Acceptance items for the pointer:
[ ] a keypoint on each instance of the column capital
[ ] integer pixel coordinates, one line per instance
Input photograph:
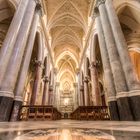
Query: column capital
(93, 65)
(86, 79)
(99, 2)
(37, 62)
(77, 70)
(57, 84)
(81, 88)
(38, 6)
(50, 88)
(96, 12)
(55, 70)
(75, 84)
(46, 79)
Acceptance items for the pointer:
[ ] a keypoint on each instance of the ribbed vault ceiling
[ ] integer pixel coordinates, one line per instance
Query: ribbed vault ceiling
(67, 22)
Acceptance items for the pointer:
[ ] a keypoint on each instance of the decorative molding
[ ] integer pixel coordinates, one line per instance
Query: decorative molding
(128, 94)
(134, 93)
(6, 94)
(111, 98)
(18, 98)
(133, 38)
(122, 94)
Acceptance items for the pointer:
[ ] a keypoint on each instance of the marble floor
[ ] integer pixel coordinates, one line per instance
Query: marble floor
(70, 130)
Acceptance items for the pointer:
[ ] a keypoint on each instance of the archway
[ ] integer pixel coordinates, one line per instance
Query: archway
(6, 14)
(96, 70)
(35, 72)
(130, 23)
(135, 57)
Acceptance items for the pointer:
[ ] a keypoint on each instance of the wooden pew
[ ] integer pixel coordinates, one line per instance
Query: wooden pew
(91, 113)
(37, 112)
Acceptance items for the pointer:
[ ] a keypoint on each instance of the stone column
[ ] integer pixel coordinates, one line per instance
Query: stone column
(51, 88)
(116, 67)
(109, 81)
(38, 71)
(10, 39)
(82, 98)
(45, 91)
(95, 85)
(8, 84)
(78, 92)
(86, 81)
(118, 73)
(18, 99)
(55, 88)
(50, 95)
(81, 89)
(132, 82)
(86, 91)
(37, 81)
(75, 95)
(46, 83)
(28, 99)
(57, 95)
(121, 45)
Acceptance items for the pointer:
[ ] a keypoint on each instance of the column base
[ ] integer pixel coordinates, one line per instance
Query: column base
(114, 112)
(135, 105)
(16, 111)
(5, 108)
(124, 109)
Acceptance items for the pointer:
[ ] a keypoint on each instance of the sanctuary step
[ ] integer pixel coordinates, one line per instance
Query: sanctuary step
(91, 113)
(38, 112)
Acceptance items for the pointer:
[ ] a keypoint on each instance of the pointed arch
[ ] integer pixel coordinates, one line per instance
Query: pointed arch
(66, 53)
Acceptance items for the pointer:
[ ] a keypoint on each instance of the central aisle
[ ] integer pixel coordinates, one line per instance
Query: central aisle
(70, 130)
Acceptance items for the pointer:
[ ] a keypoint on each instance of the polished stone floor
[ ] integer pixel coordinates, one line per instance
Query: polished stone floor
(70, 130)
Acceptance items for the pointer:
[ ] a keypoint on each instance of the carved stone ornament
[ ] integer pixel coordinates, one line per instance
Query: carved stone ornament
(81, 88)
(50, 88)
(93, 65)
(37, 62)
(38, 6)
(46, 79)
(86, 79)
(99, 2)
